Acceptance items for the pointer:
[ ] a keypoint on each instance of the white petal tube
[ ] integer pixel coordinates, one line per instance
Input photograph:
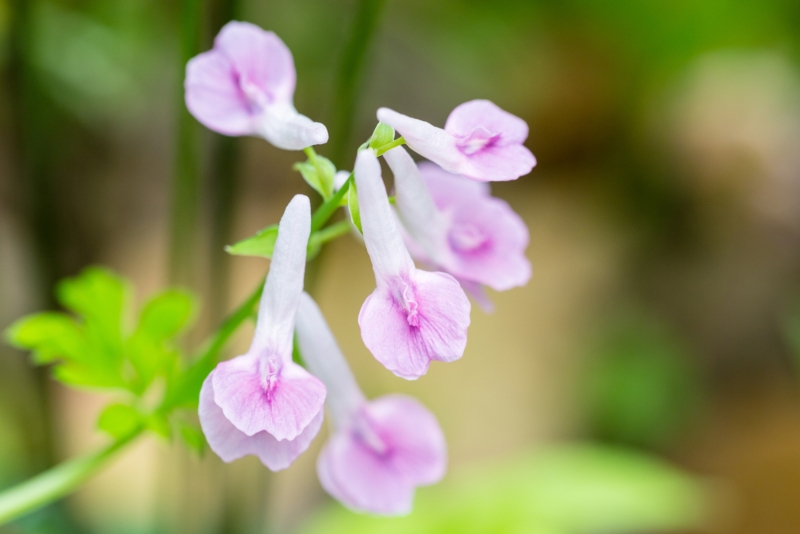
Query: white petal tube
(275, 327)
(325, 360)
(382, 237)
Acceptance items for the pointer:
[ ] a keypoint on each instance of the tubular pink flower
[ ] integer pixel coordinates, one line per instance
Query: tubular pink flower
(380, 450)
(262, 403)
(459, 226)
(413, 316)
(479, 141)
(245, 86)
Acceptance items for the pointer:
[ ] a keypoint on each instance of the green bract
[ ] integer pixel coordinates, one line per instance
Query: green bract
(383, 135)
(318, 172)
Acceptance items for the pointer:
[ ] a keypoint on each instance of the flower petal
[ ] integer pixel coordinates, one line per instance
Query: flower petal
(498, 164)
(500, 261)
(381, 234)
(325, 360)
(383, 483)
(275, 327)
(261, 57)
(425, 139)
(415, 205)
(441, 334)
(478, 293)
(230, 444)
(284, 127)
(469, 116)
(213, 95)
(447, 188)
(413, 434)
(284, 409)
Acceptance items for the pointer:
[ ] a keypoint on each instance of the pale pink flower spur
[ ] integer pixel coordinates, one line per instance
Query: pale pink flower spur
(262, 403)
(479, 141)
(413, 316)
(245, 86)
(379, 450)
(459, 227)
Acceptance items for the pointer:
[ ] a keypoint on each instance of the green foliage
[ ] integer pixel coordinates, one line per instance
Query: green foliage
(120, 420)
(193, 437)
(262, 244)
(383, 135)
(568, 490)
(91, 346)
(318, 172)
(640, 386)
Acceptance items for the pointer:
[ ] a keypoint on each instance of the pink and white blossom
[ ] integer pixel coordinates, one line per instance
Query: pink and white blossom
(245, 86)
(458, 227)
(262, 403)
(379, 450)
(413, 317)
(479, 141)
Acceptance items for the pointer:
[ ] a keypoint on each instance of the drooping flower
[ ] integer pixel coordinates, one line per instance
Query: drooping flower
(479, 141)
(245, 86)
(459, 227)
(413, 316)
(262, 403)
(380, 450)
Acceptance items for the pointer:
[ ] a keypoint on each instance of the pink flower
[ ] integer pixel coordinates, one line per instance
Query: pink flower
(262, 403)
(459, 227)
(245, 86)
(413, 316)
(479, 141)
(380, 450)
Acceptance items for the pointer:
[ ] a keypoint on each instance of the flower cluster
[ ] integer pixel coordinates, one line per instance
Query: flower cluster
(263, 403)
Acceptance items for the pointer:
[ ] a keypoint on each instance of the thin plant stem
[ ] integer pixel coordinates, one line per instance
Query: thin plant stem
(186, 185)
(349, 77)
(57, 482)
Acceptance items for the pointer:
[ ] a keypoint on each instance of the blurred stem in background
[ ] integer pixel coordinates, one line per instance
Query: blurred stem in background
(186, 185)
(349, 79)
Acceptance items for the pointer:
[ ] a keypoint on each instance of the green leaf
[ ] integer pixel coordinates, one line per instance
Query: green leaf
(98, 296)
(85, 375)
(193, 437)
(352, 202)
(262, 244)
(383, 135)
(318, 172)
(166, 314)
(159, 423)
(51, 336)
(119, 420)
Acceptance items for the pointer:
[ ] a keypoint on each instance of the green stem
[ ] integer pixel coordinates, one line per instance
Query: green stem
(348, 82)
(189, 388)
(380, 151)
(57, 482)
(331, 232)
(330, 206)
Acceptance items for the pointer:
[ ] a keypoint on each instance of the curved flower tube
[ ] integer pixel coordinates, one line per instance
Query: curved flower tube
(413, 316)
(245, 86)
(380, 450)
(479, 141)
(262, 403)
(459, 227)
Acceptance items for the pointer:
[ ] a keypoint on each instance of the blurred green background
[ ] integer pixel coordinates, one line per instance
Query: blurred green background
(645, 380)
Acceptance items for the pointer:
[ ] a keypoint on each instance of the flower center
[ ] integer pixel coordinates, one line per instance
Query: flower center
(467, 237)
(364, 430)
(269, 369)
(256, 98)
(410, 306)
(477, 140)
